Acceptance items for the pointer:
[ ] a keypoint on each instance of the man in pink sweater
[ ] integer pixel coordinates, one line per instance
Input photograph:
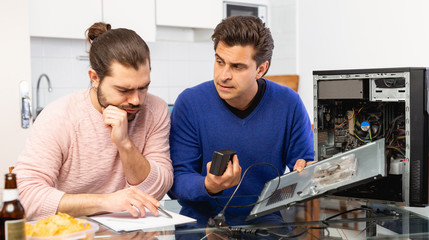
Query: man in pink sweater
(104, 149)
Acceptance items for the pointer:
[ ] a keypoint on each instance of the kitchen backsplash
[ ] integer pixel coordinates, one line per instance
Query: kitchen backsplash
(175, 65)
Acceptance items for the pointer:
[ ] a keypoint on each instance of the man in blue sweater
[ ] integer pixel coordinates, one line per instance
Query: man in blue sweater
(239, 110)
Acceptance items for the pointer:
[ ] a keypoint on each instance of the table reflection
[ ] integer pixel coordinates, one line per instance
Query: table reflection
(321, 218)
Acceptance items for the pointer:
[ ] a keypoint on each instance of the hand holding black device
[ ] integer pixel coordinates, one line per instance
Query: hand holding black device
(220, 161)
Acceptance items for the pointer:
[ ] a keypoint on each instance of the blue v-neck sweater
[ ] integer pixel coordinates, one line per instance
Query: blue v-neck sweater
(278, 131)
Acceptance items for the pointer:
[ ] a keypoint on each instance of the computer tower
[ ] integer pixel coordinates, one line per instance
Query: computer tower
(355, 107)
(371, 141)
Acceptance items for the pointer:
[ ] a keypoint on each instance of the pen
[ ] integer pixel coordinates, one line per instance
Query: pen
(164, 212)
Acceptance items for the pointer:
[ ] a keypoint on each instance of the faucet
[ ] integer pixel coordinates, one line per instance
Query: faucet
(38, 108)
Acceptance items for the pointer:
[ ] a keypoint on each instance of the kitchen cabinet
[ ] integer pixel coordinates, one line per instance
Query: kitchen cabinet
(189, 13)
(70, 19)
(63, 18)
(137, 15)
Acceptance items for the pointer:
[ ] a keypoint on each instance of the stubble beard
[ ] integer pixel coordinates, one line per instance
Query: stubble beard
(103, 103)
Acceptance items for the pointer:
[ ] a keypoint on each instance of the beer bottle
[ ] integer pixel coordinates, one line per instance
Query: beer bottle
(12, 215)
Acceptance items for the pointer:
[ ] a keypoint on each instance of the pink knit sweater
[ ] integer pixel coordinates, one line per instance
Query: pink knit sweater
(69, 150)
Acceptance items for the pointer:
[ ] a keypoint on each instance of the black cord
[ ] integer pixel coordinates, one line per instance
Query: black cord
(324, 222)
(241, 180)
(393, 125)
(345, 212)
(219, 219)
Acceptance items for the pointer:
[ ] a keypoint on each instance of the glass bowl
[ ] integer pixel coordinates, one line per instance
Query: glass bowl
(87, 234)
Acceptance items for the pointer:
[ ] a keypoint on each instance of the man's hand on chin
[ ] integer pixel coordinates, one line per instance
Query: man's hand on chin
(116, 120)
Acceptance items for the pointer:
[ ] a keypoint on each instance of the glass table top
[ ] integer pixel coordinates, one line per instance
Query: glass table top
(321, 218)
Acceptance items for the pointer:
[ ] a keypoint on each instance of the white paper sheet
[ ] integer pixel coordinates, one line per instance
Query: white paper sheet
(124, 221)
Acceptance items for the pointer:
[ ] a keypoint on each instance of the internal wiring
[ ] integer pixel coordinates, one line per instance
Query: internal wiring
(393, 125)
(347, 120)
(353, 117)
(397, 149)
(393, 137)
(354, 130)
(364, 140)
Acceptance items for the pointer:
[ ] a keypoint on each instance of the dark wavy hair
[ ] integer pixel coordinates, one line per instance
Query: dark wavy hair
(244, 31)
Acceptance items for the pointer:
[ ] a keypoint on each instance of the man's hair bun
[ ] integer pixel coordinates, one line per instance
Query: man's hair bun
(96, 30)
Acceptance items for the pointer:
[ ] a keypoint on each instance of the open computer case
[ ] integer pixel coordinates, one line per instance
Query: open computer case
(371, 140)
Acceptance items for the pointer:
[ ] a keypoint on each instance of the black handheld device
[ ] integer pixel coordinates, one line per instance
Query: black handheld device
(220, 161)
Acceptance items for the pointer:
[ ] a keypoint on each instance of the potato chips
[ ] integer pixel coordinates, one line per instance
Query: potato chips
(58, 224)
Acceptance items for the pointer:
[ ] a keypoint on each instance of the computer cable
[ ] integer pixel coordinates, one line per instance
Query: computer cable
(325, 224)
(219, 219)
(238, 232)
(249, 205)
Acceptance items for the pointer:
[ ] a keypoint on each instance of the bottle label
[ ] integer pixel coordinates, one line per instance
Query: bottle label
(14, 229)
(10, 195)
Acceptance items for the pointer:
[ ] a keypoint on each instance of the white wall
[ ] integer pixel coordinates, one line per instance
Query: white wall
(14, 68)
(338, 34)
(283, 16)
